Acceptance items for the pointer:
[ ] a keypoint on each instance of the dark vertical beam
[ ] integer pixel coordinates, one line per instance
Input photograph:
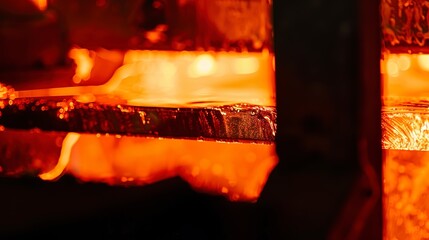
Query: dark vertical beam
(370, 108)
(327, 80)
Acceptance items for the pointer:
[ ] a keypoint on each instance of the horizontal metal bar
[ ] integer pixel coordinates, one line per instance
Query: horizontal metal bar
(230, 123)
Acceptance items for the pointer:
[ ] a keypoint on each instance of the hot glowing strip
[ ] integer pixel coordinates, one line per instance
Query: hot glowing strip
(68, 143)
(160, 78)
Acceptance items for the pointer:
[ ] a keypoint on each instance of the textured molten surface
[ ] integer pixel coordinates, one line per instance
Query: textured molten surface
(208, 117)
(405, 140)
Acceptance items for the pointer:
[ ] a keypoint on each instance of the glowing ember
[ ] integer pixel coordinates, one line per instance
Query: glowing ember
(84, 62)
(40, 4)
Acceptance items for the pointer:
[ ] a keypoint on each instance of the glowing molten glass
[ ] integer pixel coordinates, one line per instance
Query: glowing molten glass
(236, 170)
(166, 78)
(64, 159)
(405, 142)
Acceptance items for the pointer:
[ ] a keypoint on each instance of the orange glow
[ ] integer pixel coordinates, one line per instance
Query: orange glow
(405, 75)
(165, 78)
(84, 62)
(203, 65)
(404, 62)
(86, 98)
(392, 68)
(405, 145)
(40, 4)
(68, 142)
(158, 34)
(237, 171)
(423, 60)
(406, 194)
(246, 65)
(406, 167)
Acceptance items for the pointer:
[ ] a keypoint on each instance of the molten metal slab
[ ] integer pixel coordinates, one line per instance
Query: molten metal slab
(240, 122)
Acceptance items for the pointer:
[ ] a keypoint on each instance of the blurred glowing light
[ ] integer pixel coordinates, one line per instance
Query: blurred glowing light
(423, 61)
(228, 172)
(40, 4)
(392, 68)
(68, 143)
(158, 34)
(167, 72)
(84, 64)
(168, 69)
(149, 77)
(203, 65)
(86, 98)
(246, 65)
(404, 62)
